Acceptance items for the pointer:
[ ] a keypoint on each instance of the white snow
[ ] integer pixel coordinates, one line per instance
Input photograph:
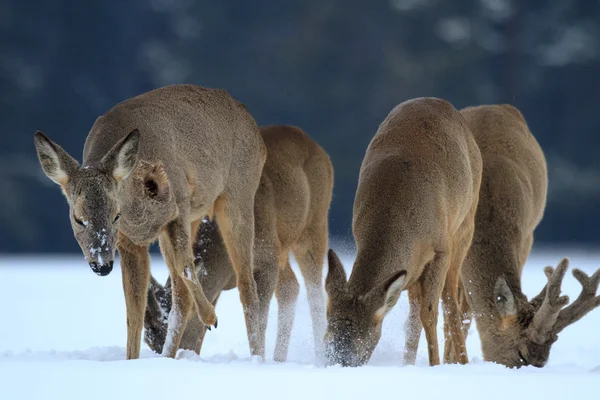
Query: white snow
(56, 345)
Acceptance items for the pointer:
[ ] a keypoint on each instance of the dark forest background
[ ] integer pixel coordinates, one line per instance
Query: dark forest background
(333, 67)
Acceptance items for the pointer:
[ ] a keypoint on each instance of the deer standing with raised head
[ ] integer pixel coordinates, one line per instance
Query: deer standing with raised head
(413, 222)
(291, 208)
(513, 330)
(153, 167)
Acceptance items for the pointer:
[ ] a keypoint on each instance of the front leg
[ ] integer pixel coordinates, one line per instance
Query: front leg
(135, 266)
(176, 246)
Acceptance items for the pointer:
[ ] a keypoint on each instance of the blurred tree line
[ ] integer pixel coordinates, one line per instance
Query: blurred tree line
(333, 67)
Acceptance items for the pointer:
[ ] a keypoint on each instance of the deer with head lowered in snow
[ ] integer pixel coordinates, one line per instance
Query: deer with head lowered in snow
(153, 167)
(290, 208)
(413, 222)
(514, 331)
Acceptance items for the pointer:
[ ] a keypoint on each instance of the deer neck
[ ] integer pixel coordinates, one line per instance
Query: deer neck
(376, 262)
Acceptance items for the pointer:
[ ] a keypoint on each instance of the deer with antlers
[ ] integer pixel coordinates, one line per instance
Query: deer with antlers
(153, 167)
(291, 208)
(514, 331)
(413, 221)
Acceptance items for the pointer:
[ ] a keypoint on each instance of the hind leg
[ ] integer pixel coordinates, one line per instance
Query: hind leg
(265, 276)
(413, 325)
(236, 222)
(310, 253)
(467, 317)
(453, 326)
(287, 295)
(432, 282)
(453, 316)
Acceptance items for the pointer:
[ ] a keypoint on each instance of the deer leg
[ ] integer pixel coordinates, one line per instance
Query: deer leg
(453, 315)
(175, 244)
(453, 326)
(465, 310)
(265, 276)
(432, 282)
(236, 222)
(310, 253)
(287, 295)
(135, 267)
(467, 318)
(413, 325)
(202, 330)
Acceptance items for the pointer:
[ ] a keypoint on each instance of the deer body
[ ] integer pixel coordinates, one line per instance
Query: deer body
(162, 161)
(413, 222)
(291, 208)
(513, 330)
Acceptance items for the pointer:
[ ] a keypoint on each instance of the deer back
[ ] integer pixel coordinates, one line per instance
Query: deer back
(418, 181)
(190, 138)
(513, 192)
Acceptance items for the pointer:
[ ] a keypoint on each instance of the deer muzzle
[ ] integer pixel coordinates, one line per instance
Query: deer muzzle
(102, 269)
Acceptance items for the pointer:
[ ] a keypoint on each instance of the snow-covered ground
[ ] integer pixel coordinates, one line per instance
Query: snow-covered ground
(62, 336)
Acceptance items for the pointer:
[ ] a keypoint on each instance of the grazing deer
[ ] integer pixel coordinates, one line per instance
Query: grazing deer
(413, 222)
(514, 331)
(153, 167)
(290, 209)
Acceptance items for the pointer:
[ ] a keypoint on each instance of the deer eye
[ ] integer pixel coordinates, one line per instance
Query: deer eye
(523, 359)
(117, 217)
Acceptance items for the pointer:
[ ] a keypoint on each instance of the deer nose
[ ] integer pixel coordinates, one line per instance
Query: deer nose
(101, 270)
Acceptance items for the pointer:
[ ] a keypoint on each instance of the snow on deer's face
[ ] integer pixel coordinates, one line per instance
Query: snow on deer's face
(94, 217)
(354, 321)
(91, 192)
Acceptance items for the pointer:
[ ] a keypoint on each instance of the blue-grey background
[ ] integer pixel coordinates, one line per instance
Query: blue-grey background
(333, 67)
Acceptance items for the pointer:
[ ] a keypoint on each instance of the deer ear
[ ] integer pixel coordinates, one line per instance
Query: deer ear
(57, 164)
(120, 160)
(156, 182)
(385, 297)
(335, 282)
(505, 303)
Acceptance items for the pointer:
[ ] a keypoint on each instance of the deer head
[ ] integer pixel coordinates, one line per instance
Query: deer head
(522, 333)
(354, 322)
(92, 194)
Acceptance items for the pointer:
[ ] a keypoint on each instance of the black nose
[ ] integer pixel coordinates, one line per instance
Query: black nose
(101, 270)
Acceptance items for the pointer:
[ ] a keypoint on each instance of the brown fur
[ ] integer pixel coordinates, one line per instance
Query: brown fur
(291, 207)
(162, 161)
(413, 223)
(511, 205)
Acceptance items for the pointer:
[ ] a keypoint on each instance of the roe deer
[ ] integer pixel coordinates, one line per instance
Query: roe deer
(290, 208)
(514, 331)
(162, 161)
(413, 222)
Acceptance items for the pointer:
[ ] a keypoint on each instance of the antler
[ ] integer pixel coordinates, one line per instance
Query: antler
(547, 315)
(585, 303)
(537, 301)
